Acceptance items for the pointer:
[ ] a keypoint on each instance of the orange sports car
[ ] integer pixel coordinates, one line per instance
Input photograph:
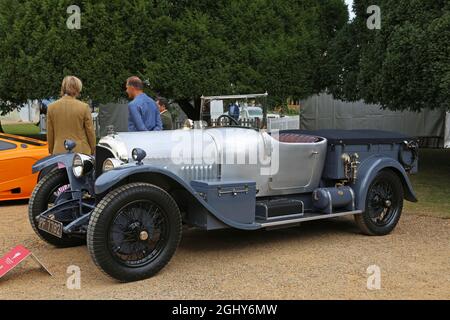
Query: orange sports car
(17, 155)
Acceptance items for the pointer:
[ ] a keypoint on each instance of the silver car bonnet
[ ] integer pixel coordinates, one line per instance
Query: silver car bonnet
(229, 154)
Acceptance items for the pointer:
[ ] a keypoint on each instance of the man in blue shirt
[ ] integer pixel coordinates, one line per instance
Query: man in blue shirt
(234, 110)
(143, 114)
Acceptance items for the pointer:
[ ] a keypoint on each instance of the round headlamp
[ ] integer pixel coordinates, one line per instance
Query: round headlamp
(110, 164)
(69, 145)
(138, 154)
(82, 165)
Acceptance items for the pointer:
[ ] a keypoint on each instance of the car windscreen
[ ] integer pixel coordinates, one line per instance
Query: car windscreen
(6, 146)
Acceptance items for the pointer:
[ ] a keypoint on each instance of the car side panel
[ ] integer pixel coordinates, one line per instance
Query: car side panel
(17, 180)
(16, 175)
(110, 179)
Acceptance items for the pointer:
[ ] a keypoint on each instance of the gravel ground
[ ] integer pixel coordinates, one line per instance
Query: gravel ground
(318, 260)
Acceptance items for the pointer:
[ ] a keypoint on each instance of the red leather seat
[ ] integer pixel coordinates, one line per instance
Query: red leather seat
(296, 138)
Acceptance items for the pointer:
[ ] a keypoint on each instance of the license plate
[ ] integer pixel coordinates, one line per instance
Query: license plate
(51, 226)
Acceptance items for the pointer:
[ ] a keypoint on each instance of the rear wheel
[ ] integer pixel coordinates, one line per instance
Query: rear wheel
(384, 204)
(134, 231)
(43, 197)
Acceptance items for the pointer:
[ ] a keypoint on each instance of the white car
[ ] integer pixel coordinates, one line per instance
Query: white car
(273, 116)
(251, 113)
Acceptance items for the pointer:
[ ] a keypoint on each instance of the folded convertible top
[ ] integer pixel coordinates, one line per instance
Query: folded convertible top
(335, 136)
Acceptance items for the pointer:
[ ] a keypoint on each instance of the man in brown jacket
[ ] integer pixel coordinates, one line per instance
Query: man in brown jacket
(69, 118)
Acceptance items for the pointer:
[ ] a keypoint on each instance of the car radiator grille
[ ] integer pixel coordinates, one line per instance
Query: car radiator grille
(199, 172)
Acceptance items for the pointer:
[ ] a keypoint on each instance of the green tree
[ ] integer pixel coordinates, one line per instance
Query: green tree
(247, 46)
(185, 48)
(404, 65)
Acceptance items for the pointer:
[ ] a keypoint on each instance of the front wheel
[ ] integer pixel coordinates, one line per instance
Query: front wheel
(134, 231)
(384, 203)
(44, 196)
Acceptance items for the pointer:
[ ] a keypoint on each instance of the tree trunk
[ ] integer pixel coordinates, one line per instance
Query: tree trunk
(192, 111)
(1, 128)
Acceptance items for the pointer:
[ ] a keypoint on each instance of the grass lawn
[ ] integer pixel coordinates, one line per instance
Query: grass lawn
(23, 129)
(432, 184)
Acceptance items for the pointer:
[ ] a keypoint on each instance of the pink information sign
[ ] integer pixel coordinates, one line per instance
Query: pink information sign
(14, 257)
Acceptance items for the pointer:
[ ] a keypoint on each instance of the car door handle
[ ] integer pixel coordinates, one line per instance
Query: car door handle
(234, 192)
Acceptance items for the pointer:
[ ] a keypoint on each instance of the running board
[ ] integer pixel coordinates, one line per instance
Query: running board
(307, 217)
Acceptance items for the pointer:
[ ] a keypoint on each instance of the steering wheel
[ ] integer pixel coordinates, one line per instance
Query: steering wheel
(219, 119)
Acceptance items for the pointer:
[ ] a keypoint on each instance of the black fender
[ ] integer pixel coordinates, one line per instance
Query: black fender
(110, 179)
(64, 160)
(368, 170)
(51, 161)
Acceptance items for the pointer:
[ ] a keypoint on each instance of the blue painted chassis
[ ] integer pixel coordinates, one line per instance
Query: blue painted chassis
(70, 200)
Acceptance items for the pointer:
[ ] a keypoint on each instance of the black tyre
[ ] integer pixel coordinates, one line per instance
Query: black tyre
(134, 231)
(42, 198)
(384, 204)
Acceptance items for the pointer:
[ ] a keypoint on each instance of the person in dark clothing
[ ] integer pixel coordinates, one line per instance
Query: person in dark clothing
(234, 111)
(166, 117)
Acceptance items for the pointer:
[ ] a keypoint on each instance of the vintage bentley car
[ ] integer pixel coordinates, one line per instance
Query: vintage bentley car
(130, 202)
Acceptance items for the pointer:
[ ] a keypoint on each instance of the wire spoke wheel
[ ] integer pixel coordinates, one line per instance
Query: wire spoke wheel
(384, 204)
(134, 231)
(138, 233)
(56, 193)
(50, 191)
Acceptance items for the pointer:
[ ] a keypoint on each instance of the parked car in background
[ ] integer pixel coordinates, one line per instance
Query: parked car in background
(273, 116)
(17, 156)
(251, 113)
